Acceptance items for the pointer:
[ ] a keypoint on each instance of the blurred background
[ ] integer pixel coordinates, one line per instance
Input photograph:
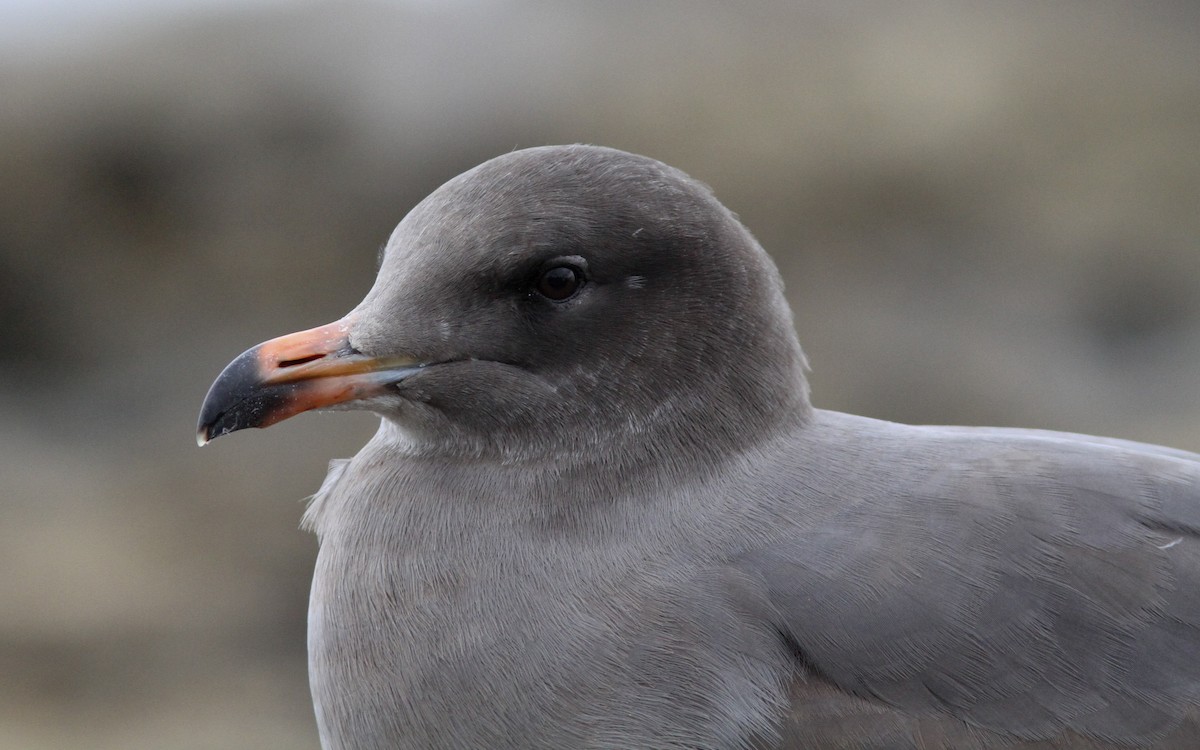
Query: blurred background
(985, 213)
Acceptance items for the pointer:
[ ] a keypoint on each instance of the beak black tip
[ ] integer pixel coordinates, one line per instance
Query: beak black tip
(236, 400)
(212, 428)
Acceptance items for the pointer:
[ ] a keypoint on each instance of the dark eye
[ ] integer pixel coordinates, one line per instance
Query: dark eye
(559, 283)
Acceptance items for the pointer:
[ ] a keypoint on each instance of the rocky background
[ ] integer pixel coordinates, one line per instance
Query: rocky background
(985, 213)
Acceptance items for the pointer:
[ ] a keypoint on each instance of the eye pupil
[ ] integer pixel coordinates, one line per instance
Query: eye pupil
(559, 283)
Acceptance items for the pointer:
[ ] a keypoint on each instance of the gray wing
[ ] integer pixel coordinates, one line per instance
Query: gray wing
(1005, 590)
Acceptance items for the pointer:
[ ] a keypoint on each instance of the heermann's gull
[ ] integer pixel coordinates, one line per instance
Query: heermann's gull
(600, 512)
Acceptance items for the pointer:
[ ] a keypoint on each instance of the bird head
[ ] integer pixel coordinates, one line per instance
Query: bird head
(555, 299)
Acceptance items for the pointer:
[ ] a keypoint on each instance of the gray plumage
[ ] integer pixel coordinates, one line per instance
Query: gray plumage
(615, 521)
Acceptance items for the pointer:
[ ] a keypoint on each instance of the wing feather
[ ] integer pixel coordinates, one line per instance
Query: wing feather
(1031, 591)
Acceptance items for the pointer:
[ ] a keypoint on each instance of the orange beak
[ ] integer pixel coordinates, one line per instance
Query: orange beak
(283, 377)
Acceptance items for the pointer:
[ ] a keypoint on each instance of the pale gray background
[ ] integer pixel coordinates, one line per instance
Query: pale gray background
(985, 212)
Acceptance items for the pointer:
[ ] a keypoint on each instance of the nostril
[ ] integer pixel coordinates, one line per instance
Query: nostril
(300, 360)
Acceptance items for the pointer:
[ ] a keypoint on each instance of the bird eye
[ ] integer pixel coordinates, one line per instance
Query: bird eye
(559, 283)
